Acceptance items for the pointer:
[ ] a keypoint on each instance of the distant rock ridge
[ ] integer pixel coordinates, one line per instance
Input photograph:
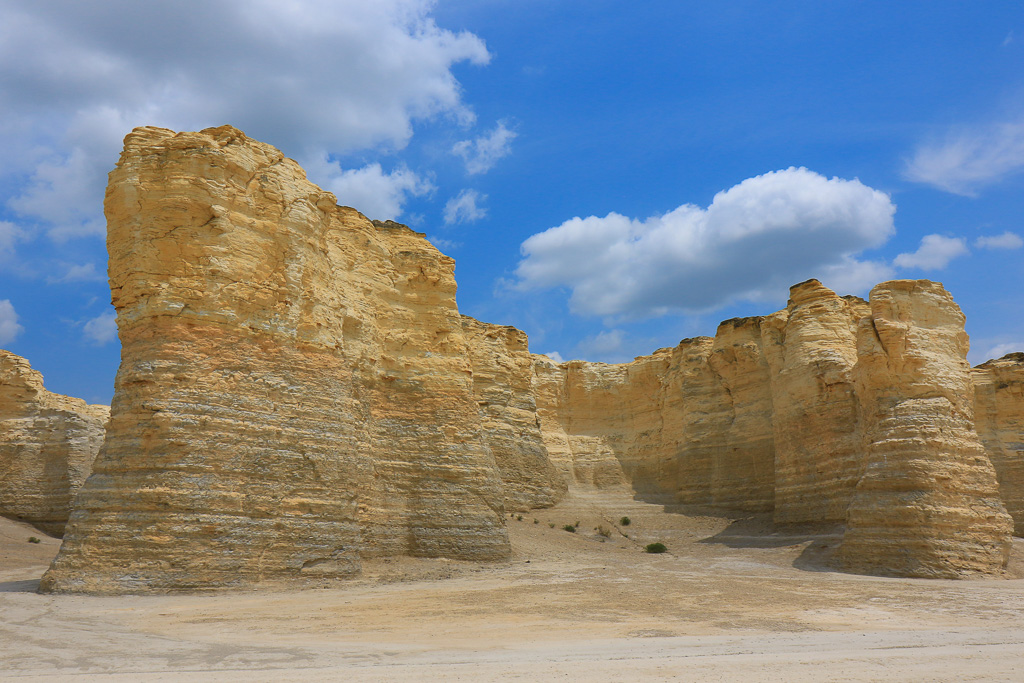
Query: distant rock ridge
(47, 446)
(298, 391)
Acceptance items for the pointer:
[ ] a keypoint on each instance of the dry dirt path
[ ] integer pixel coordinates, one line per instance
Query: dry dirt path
(567, 607)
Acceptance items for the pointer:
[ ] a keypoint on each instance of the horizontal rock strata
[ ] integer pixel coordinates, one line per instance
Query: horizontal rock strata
(999, 420)
(294, 392)
(47, 446)
(503, 387)
(927, 503)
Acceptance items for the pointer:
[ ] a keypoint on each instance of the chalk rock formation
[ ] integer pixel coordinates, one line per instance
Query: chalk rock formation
(691, 424)
(811, 349)
(294, 391)
(999, 420)
(927, 504)
(47, 446)
(503, 386)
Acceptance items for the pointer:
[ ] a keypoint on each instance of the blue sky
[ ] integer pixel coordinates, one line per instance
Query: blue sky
(610, 177)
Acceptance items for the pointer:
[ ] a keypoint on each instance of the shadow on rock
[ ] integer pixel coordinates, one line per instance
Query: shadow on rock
(28, 586)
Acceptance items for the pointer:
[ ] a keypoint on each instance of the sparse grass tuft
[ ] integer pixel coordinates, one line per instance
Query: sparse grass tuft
(519, 518)
(625, 521)
(536, 521)
(655, 548)
(551, 524)
(601, 531)
(570, 528)
(34, 539)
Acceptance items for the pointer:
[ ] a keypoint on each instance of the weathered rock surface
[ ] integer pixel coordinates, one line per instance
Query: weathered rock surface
(294, 392)
(503, 386)
(927, 504)
(999, 420)
(47, 446)
(811, 349)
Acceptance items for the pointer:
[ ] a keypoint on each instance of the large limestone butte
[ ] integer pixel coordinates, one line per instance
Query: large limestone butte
(927, 504)
(503, 386)
(999, 419)
(47, 446)
(294, 393)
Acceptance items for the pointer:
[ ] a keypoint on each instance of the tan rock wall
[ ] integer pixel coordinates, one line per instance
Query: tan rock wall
(47, 446)
(503, 386)
(927, 504)
(811, 350)
(999, 420)
(294, 391)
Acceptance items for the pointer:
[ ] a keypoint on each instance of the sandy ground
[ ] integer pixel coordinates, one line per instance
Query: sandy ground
(731, 600)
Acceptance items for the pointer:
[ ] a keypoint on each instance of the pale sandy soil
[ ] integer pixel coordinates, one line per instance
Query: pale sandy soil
(747, 605)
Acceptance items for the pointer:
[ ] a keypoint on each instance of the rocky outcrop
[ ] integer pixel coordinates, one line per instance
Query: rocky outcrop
(503, 387)
(811, 350)
(999, 420)
(927, 503)
(294, 393)
(47, 446)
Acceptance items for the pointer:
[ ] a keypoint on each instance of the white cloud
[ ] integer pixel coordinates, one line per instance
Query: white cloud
(443, 244)
(555, 356)
(463, 208)
(752, 242)
(969, 158)
(309, 76)
(1007, 240)
(102, 329)
(9, 327)
(10, 235)
(78, 272)
(369, 189)
(481, 154)
(1000, 350)
(934, 253)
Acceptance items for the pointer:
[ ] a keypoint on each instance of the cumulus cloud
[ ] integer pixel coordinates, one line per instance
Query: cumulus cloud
(307, 75)
(753, 241)
(78, 272)
(102, 329)
(9, 327)
(1007, 240)
(969, 158)
(934, 253)
(481, 154)
(464, 208)
(369, 189)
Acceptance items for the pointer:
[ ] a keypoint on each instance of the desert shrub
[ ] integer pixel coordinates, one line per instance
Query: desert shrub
(551, 524)
(570, 528)
(601, 531)
(625, 521)
(33, 539)
(536, 521)
(655, 548)
(519, 518)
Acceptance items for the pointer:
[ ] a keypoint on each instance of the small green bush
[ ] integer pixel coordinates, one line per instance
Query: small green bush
(625, 521)
(551, 524)
(570, 528)
(33, 539)
(536, 521)
(519, 518)
(655, 548)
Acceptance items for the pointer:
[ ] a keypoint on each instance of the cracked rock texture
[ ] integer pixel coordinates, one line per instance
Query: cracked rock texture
(47, 446)
(503, 386)
(999, 419)
(294, 391)
(927, 503)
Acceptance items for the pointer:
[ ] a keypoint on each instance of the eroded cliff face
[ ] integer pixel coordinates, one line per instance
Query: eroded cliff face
(811, 350)
(999, 420)
(503, 386)
(927, 503)
(47, 446)
(295, 390)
